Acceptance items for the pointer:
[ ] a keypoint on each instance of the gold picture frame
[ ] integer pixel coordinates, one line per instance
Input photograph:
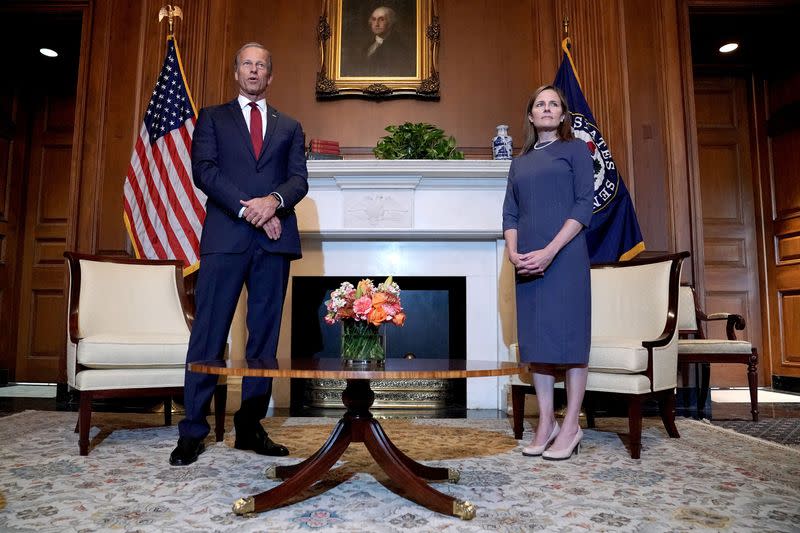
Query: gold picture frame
(378, 49)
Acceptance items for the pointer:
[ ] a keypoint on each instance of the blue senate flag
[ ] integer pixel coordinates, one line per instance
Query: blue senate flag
(614, 233)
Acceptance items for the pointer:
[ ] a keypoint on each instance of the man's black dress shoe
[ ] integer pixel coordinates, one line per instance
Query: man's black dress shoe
(186, 452)
(256, 439)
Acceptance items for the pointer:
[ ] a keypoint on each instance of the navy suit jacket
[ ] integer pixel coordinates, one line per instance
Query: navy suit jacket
(226, 169)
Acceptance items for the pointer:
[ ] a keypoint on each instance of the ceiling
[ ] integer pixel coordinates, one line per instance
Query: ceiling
(21, 37)
(764, 36)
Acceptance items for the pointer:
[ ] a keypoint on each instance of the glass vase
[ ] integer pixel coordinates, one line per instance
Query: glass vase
(361, 342)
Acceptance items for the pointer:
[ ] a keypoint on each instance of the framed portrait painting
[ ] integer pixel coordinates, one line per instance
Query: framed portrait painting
(378, 49)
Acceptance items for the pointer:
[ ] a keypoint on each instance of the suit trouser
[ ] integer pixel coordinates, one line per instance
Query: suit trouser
(219, 284)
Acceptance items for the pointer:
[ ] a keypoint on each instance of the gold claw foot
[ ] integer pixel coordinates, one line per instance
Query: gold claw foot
(271, 472)
(463, 509)
(248, 505)
(453, 475)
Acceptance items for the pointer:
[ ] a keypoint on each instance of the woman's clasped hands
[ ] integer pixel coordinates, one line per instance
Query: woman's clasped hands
(532, 263)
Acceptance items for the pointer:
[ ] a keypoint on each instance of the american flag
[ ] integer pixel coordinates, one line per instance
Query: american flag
(163, 210)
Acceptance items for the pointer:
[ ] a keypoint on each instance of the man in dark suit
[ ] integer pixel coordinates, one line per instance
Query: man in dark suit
(248, 159)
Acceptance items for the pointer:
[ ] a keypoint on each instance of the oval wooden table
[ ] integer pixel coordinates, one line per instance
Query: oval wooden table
(358, 425)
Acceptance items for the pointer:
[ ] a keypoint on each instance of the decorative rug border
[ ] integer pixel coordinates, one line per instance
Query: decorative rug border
(707, 424)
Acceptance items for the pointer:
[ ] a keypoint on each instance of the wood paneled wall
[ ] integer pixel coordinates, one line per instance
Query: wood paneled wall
(493, 54)
(782, 204)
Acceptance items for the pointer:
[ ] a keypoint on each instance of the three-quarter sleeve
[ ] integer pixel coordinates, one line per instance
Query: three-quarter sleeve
(583, 183)
(510, 204)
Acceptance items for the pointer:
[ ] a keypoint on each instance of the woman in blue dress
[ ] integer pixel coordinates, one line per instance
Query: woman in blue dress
(548, 205)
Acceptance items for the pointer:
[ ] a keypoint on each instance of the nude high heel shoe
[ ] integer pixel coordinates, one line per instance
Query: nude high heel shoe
(566, 453)
(535, 451)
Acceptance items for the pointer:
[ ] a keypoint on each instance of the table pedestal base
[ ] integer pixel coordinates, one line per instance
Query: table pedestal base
(358, 425)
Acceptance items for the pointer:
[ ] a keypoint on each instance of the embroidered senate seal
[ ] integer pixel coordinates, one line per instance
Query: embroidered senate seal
(606, 177)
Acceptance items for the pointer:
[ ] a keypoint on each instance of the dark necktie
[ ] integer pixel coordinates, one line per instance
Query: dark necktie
(256, 134)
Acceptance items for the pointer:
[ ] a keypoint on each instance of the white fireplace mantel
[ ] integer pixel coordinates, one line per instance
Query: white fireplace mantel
(404, 200)
(425, 168)
(413, 218)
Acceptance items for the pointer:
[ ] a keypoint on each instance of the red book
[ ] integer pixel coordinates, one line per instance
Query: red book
(318, 145)
(323, 141)
(323, 150)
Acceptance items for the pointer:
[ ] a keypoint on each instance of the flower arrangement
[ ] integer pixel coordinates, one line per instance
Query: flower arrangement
(362, 310)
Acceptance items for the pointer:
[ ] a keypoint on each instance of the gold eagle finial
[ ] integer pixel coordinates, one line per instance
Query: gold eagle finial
(170, 12)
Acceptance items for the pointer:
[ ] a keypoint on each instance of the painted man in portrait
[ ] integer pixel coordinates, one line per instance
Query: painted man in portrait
(387, 51)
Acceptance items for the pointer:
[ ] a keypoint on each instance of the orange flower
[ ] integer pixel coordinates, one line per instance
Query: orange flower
(378, 298)
(377, 316)
(399, 319)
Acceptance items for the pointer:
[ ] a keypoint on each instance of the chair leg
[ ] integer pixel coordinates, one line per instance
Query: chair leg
(84, 421)
(752, 380)
(518, 408)
(666, 407)
(168, 411)
(220, 397)
(684, 371)
(704, 369)
(588, 408)
(635, 425)
(686, 384)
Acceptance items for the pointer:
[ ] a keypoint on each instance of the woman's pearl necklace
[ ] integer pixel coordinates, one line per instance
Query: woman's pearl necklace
(538, 146)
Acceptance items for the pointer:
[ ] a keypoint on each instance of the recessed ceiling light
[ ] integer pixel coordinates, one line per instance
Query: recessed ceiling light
(728, 47)
(49, 52)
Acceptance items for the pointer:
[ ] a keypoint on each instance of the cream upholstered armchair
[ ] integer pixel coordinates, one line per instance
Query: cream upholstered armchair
(127, 332)
(695, 348)
(634, 352)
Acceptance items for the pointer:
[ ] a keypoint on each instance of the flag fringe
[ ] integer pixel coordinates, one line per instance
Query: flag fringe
(633, 252)
(128, 227)
(565, 48)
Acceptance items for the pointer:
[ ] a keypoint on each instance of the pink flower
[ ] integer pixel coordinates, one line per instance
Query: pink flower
(392, 309)
(362, 306)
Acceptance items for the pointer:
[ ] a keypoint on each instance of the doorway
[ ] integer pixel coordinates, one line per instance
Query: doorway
(37, 123)
(741, 202)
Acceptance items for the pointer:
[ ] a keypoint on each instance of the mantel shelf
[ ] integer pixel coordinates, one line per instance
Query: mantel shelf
(408, 167)
(383, 234)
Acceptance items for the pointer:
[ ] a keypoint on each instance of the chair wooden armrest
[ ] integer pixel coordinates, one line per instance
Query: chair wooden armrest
(733, 321)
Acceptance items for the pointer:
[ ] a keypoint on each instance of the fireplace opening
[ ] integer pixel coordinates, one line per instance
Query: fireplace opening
(435, 327)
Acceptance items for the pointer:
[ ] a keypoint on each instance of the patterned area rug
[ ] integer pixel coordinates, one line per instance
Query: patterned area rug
(781, 430)
(710, 479)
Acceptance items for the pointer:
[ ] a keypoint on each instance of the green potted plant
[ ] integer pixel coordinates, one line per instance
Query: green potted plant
(416, 141)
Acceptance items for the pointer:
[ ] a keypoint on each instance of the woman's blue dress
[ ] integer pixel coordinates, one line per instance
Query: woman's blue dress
(545, 188)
